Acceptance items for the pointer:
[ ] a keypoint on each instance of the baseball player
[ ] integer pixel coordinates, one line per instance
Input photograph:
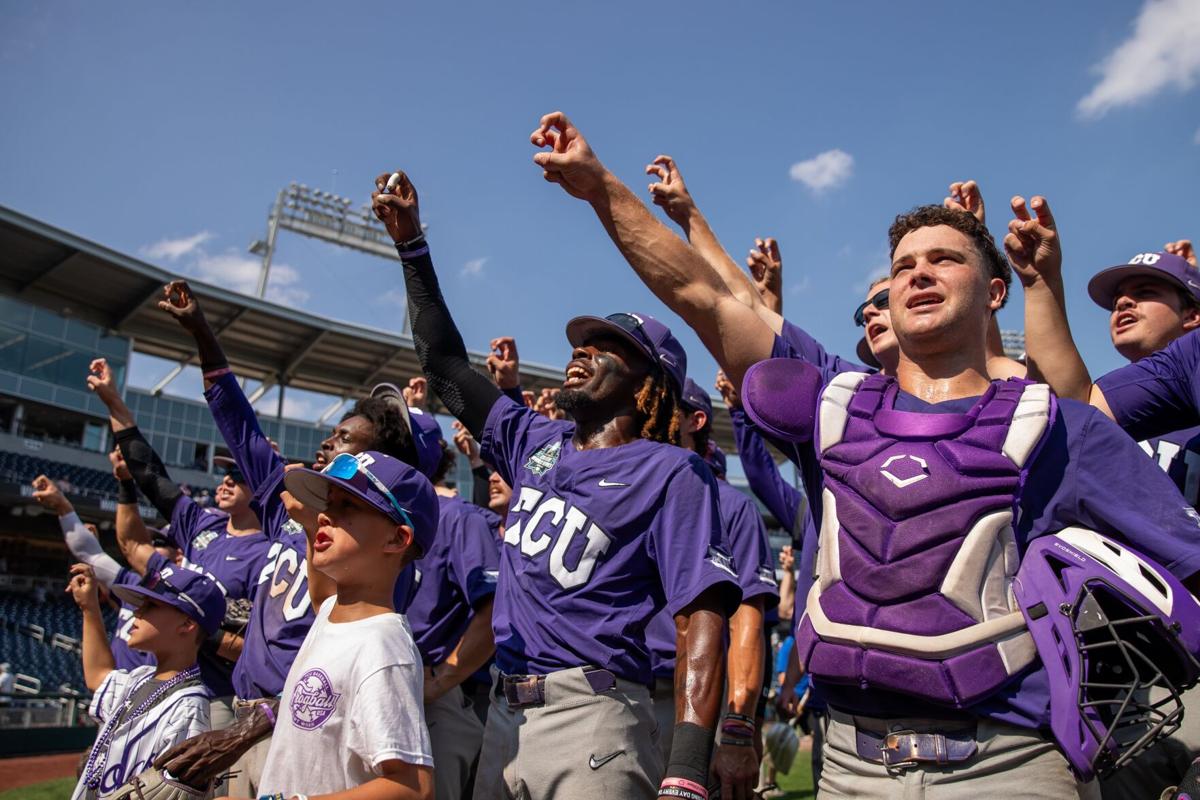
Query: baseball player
(610, 523)
(225, 544)
(144, 711)
(451, 617)
(904, 713)
(1154, 310)
(735, 760)
(283, 599)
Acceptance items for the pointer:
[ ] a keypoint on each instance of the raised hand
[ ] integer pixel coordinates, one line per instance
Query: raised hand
(82, 587)
(529, 397)
(570, 161)
(416, 394)
(547, 404)
(670, 192)
(120, 468)
(1182, 248)
(180, 302)
(399, 208)
(766, 267)
(787, 558)
(504, 363)
(103, 382)
(728, 391)
(466, 443)
(50, 497)
(965, 196)
(1032, 242)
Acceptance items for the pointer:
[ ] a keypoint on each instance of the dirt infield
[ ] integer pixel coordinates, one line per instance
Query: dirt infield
(18, 772)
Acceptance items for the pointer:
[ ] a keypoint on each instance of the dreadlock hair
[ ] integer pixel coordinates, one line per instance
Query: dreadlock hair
(392, 436)
(930, 216)
(445, 465)
(657, 404)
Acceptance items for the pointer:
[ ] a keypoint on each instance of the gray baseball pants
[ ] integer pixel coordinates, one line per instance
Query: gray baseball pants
(577, 744)
(456, 735)
(1011, 763)
(1163, 765)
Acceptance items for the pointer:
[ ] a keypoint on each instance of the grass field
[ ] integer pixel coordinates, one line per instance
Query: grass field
(798, 785)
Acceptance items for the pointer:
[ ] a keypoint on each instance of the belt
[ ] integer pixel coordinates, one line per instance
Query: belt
(908, 748)
(524, 691)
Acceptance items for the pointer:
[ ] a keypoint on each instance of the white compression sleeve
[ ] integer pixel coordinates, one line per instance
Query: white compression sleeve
(87, 549)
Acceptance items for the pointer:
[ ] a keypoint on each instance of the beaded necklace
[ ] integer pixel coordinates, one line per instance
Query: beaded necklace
(94, 770)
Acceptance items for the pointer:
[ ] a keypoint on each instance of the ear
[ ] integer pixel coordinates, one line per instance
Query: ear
(696, 421)
(997, 291)
(401, 540)
(1190, 318)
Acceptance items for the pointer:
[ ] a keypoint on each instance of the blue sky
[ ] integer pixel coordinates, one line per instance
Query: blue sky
(165, 130)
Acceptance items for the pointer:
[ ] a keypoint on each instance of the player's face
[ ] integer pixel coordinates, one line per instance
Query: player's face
(156, 625)
(351, 536)
(499, 494)
(941, 296)
(232, 496)
(1148, 315)
(878, 328)
(604, 373)
(352, 435)
(690, 422)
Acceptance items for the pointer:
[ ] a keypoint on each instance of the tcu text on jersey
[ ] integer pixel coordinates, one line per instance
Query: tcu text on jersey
(287, 571)
(545, 521)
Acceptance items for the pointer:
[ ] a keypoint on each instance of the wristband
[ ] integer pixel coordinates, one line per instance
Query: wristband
(731, 717)
(126, 493)
(266, 709)
(737, 742)
(681, 787)
(414, 247)
(276, 796)
(213, 374)
(691, 748)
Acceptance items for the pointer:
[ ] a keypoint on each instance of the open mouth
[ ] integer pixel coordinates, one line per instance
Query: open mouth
(923, 300)
(576, 374)
(319, 461)
(322, 541)
(875, 330)
(1124, 321)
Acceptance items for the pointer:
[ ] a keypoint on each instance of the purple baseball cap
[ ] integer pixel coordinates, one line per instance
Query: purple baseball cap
(189, 592)
(1102, 288)
(641, 330)
(696, 398)
(426, 433)
(781, 396)
(387, 484)
(716, 458)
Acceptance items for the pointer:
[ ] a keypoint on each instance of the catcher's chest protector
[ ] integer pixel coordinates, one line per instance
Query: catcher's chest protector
(917, 552)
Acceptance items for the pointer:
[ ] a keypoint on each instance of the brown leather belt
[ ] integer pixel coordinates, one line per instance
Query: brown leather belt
(525, 691)
(901, 749)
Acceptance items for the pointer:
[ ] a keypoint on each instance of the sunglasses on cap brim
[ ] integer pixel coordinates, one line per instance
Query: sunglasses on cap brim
(344, 467)
(879, 300)
(633, 326)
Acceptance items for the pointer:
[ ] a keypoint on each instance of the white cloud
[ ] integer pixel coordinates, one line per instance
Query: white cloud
(238, 272)
(175, 249)
(392, 297)
(1161, 52)
(474, 267)
(825, 171)
(800, 286)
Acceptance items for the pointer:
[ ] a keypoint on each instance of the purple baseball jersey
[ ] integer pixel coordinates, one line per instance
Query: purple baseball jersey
(124, 657)
(1157, 400)
(597, 542)
(454, 577)
(752, 560)
(1069, 483)
(282, 612)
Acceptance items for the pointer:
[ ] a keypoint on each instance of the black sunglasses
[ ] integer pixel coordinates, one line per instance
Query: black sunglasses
(633, 326)
(879, 300)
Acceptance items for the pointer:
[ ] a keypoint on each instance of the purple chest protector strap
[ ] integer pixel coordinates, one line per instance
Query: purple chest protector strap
(917, 550)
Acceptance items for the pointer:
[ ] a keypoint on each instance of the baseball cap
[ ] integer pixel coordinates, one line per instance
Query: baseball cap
(696, 398)
(641, 330)
(229, 467)
(426, 435)
(716, 458)
(189, 592)
(865, 355)
(387, 484)
(1102, 288)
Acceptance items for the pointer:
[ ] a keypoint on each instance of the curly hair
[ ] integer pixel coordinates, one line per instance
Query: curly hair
(446, 464)
(930, 216)
(658, 405)
(392, 436)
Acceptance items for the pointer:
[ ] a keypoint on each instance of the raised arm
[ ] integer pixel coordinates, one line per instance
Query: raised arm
(671, 268)
(80, 541)
(766, 268)
(132, 536)
(97, 655)
(467, 395)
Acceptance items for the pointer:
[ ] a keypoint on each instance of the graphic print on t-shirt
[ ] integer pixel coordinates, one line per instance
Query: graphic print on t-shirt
(314, 700)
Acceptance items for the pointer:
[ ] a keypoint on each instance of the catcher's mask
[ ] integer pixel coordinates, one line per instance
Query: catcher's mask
(1119, 637)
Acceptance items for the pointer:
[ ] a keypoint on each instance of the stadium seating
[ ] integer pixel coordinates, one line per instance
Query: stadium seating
(51, 664)
(22, 468)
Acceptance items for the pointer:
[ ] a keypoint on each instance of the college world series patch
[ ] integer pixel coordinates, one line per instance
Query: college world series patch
(313, 700)
(204, 540)
(544, 459)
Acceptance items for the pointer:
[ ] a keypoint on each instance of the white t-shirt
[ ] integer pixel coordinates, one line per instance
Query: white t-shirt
(352, 700)
(180, 715)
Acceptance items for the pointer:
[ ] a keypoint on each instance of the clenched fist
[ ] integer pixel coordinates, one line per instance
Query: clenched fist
(570, 163)
(398, 208)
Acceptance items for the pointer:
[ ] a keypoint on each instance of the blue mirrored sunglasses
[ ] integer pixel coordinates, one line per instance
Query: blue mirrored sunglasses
(344, 467)
(879, 300)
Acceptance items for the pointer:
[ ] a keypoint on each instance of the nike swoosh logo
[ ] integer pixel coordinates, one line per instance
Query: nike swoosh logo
(607, 484)
(232, 558)
(597, 763)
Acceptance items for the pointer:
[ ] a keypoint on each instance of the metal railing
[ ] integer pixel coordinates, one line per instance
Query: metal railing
(63, 709)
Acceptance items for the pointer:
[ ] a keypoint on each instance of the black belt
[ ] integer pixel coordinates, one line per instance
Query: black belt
(909, 748)
(524, 691)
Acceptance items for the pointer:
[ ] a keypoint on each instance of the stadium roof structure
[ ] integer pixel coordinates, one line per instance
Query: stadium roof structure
(266, 341)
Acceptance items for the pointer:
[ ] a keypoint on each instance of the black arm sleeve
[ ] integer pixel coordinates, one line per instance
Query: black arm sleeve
(480, 489)
(467, 394)
(148, 471)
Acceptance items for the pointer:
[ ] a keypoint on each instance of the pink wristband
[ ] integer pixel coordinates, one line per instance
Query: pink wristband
(266, 709)
(216, 373)
(685, 784)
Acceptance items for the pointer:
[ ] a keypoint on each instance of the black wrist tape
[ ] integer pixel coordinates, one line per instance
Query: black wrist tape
(127, 493)
(691, 750)
(209, 366)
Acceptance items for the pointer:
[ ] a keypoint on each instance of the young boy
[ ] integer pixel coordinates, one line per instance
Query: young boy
(351, 719)
(145, 711)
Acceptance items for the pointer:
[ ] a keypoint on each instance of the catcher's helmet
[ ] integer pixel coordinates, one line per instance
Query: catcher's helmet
(1119, 637)
(781, 743)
